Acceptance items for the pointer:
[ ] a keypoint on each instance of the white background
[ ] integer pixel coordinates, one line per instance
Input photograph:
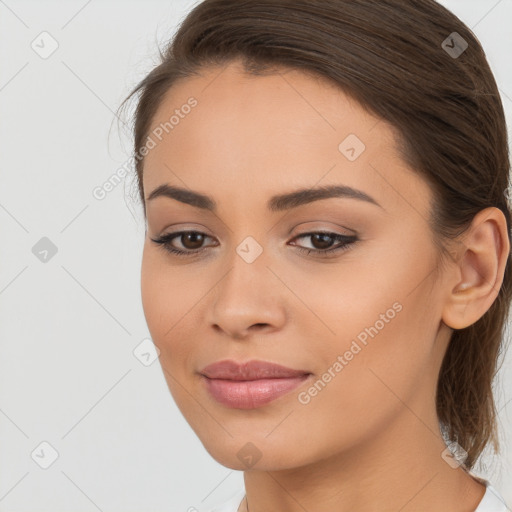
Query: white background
(68, 326)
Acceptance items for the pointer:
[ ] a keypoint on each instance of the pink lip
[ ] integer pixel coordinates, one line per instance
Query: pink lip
(252, 384)
(251, 370)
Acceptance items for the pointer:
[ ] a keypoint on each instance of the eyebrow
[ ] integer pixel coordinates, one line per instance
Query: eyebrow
(276, 203)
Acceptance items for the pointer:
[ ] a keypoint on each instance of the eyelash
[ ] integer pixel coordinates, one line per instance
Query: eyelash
(348, 242)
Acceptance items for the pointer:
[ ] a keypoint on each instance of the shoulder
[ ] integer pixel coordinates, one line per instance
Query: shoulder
(492, 500)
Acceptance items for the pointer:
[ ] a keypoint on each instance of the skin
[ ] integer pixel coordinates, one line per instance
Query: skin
(370, 439)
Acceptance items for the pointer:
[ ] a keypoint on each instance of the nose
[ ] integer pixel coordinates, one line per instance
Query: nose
(248, 299)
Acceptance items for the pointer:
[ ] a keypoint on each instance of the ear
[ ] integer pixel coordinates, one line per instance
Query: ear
(478, 269)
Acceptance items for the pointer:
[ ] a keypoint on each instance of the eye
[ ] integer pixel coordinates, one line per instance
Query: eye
(192, 242)
(324, 240)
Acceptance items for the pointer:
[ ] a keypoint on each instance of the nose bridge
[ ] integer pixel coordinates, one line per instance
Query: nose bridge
(247, 293)
(247, 273)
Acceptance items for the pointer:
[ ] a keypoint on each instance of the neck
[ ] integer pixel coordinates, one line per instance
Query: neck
(402, 469)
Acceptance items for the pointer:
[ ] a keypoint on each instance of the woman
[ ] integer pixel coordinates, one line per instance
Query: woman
(326, 269)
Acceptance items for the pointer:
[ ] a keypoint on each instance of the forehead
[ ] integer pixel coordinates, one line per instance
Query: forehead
(268, 133)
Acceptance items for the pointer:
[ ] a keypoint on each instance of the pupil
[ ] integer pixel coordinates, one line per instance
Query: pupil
(196, 237)
(325, 240)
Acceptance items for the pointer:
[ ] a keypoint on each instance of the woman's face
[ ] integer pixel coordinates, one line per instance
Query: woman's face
(363, 321)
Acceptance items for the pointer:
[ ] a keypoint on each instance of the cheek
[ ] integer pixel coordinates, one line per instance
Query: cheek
(167, 291)
(166, 299)
(376, 293)
(372, 326)
(167, 296)
(361, 387)
(151, 293)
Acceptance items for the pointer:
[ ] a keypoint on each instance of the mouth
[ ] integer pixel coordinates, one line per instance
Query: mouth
(252, 384)
(250, 394)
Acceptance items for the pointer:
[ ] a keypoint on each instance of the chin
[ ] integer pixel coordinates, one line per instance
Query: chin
(242, 454)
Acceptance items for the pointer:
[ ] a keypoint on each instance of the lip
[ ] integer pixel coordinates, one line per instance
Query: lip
(252, 384)
(251, 370)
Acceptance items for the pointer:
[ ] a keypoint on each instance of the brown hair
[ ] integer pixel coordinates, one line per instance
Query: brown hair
(389, 56)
